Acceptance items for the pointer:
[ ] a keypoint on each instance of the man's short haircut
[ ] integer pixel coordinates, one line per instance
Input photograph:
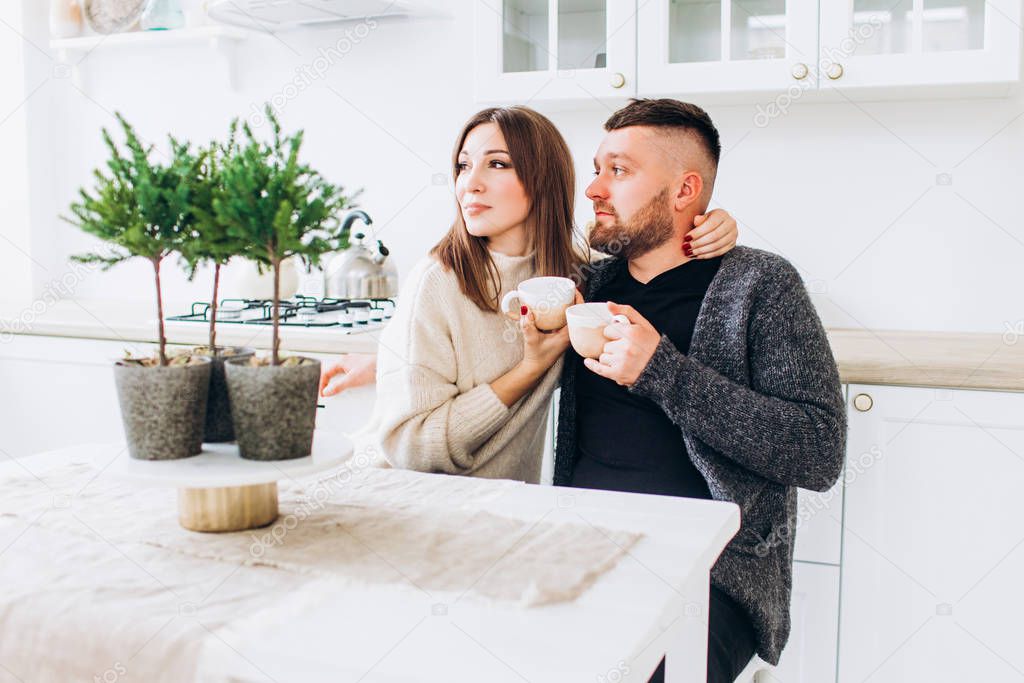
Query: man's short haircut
(673, 115)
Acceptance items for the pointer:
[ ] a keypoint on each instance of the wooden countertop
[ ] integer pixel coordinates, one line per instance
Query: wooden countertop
(136, 322)
(937, 359)
(934, 359)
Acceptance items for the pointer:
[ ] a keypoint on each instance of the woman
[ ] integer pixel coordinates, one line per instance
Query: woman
(462, 388)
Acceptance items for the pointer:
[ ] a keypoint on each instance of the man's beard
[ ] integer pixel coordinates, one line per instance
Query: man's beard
(649, 228)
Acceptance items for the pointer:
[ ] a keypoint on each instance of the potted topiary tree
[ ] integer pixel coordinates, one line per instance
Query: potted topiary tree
(213, 244)
(142, 210)
(282, 208)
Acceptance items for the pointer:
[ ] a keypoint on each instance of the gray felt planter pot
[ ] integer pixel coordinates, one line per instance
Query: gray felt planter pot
(219, 425)
(163, 408)
(274, 408)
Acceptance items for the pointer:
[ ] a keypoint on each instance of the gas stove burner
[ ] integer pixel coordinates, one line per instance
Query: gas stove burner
(300, 311)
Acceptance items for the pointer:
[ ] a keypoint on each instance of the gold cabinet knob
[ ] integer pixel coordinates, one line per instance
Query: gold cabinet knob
(800, 71)
(835, 71)
(617, 80)
(863, 402)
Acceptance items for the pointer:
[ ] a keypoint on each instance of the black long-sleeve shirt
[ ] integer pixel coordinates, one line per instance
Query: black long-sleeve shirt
(626, 442)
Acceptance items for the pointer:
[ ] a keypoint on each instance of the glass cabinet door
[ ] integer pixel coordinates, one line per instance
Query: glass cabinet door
(555, 49)
(756, 30)
(719, 45)
(886, 28)
(529, 42)
(868, 43)
(952, 25)
(582, 28)
(524, 36)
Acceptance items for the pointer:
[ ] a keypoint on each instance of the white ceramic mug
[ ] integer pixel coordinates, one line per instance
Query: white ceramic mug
(586, 327)
(546, 297)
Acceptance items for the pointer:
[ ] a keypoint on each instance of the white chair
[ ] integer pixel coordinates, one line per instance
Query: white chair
(757, 671)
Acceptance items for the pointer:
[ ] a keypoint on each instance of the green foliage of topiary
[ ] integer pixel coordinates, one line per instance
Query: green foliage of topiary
(210, 241)
(279, 206)
(140, 207)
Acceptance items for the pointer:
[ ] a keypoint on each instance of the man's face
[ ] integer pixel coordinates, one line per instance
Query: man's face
(631, 194)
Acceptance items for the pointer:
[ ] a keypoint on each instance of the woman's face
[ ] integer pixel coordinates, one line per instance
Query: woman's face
(491, 198)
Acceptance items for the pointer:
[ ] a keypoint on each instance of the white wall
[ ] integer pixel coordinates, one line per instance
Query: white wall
(847, 191)
(15, 239)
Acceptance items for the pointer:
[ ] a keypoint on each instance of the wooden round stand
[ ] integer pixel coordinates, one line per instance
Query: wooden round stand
(219, 491)
(230, 508)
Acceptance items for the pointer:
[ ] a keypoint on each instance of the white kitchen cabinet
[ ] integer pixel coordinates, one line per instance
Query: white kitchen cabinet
(933, 537)
(59, 391)
(550, 50)
(819, 525)
(728, 46)
(810, 654)
(720, 46)
(877, 43)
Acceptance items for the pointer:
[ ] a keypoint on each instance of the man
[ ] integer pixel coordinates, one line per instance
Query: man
(722, 386)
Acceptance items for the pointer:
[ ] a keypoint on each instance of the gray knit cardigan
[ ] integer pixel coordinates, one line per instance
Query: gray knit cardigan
(760, 408)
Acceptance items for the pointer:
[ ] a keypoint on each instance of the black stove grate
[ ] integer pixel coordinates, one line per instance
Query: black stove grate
(298, 311)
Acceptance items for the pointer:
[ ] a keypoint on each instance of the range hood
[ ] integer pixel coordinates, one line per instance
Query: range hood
(272, 15)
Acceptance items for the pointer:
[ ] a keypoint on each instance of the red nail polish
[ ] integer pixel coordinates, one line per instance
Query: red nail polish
(688, 251)
(688, 238)
(522, 310)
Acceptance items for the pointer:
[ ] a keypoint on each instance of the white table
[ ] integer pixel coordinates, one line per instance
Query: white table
(653, 603)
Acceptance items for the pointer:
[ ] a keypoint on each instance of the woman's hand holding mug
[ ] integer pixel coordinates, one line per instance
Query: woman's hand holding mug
(541, 349)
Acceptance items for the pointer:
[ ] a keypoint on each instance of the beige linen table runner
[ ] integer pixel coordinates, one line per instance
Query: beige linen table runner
(91, 562)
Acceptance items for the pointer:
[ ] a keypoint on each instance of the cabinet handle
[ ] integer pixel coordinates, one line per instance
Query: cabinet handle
(617, 80)
(800, 71)
(863, 402)
(835, 71)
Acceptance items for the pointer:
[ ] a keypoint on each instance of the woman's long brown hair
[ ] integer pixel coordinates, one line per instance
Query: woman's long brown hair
(543, 164)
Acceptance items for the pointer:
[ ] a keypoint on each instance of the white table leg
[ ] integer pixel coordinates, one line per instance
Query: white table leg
(686, 657)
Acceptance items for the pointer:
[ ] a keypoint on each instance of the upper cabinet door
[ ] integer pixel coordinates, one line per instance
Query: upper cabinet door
(866, 43)
(544, 50)
(715, 46)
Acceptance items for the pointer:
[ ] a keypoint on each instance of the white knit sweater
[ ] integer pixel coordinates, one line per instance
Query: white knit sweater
(435, 409)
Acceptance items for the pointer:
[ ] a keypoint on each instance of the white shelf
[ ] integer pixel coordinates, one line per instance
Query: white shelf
(179, 36)
(221, 38)
(283, 15)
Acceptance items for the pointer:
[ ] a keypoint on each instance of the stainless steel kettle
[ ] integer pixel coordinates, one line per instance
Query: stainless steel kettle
(363, 271)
